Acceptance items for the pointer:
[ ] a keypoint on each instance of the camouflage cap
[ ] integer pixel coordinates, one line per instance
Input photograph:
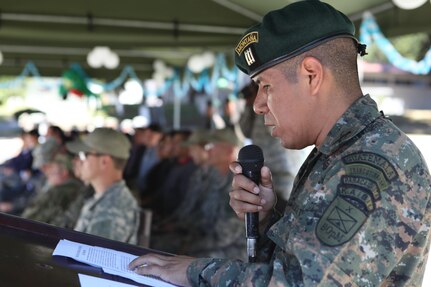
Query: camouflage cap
(198, 137)
(102, 141)
(64, 160)
(226, 135)
(288, 32)
(44, 153)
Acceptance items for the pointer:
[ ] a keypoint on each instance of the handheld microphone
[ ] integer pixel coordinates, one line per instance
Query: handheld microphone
(250, 158)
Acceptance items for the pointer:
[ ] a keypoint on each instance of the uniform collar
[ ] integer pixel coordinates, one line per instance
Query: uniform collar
(356, 118)
(119, 185)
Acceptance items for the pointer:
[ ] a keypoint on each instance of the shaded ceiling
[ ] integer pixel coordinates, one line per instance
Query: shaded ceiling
(54, 33)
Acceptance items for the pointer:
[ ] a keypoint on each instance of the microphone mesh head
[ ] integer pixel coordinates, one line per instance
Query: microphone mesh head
(250, 157)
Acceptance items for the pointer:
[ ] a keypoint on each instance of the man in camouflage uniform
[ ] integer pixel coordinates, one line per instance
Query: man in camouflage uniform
(71, 214)
(359, 213)
(113, 211)
(204, 224)
(217, 231)
(60, 190)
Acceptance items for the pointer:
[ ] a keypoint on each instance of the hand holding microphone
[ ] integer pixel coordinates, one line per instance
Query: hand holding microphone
(252, 192)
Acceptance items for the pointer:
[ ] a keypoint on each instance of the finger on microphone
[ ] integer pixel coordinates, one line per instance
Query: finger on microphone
(266, 177)
(235, 167)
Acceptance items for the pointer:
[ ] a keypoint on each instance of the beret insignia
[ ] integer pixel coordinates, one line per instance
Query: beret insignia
(248, 39)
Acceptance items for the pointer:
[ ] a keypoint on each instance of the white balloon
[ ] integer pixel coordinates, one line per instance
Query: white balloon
(409, 4)
(134, 86)
(209, 59)
(94, 60)
(112, 60)
(196, 64)
(102, 51)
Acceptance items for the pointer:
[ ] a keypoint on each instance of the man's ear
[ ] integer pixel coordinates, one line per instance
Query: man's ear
(313, 70)
(105, 159)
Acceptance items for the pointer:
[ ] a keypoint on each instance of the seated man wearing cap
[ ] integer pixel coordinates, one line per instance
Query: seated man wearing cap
(203, 224)
(113, 211)
(359, 213)
(217, 232)
(60, 190)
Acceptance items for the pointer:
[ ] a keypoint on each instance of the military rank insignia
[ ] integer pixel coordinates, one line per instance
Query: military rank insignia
(244, 46)
(367, 175)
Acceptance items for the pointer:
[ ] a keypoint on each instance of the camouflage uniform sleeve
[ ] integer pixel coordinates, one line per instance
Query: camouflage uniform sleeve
(45, 206)
(363, 227)
(265, 247)
(224, 272)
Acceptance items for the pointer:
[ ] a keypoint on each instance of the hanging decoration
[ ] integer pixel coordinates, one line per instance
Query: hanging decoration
(29, 70)
(370, 32)
(127, 72)
(74, 81)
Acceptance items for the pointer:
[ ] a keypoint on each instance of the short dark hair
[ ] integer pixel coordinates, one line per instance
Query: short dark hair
(339, 55)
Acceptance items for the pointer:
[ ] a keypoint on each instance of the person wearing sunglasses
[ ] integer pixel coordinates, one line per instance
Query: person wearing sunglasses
(113, 211)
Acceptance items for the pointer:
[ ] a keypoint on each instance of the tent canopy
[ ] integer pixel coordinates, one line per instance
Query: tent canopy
(54, 34)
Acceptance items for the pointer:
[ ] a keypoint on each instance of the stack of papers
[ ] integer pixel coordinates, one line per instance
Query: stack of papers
(111, 261)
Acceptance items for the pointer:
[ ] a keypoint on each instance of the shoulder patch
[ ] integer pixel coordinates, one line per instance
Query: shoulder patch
(357, 196)
(374, 160)
(370, 166)
(250, 38)
(363, 183)
(339, 223)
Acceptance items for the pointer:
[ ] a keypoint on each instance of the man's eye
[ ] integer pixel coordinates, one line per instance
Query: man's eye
(265, 87)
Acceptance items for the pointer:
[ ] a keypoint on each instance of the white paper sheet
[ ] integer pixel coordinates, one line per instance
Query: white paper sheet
(90, 281)
(111, 261)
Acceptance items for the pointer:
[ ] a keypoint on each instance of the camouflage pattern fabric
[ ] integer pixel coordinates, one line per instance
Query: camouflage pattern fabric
(204, 224)
(113, 215)
(53, 202)
(170, 234)
(71, 214)
(217, 231)
(359, 215)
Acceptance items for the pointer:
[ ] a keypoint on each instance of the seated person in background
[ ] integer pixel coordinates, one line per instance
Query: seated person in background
(159, 171)
(15, 172)
(56, 133)
(143, 156)
(113, 211)
(204, 224)
(60, 190)
(18, 200)
(23, 161)
(149, 157)
(175, 183)
(219, 233)
(69, 217)
(169, 234)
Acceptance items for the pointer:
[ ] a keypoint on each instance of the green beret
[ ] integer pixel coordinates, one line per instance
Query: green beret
(288, 32)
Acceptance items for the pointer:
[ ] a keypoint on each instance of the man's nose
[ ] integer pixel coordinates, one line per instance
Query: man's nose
(259, 105)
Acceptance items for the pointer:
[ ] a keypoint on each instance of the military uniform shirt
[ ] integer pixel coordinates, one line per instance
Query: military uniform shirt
(359, 215)
(51, 204)
(113, 215)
